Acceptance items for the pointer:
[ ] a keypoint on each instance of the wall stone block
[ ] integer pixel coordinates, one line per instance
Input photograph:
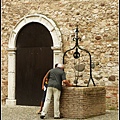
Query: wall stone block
(112, 78)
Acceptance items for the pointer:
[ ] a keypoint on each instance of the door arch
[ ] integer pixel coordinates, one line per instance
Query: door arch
(12, 47)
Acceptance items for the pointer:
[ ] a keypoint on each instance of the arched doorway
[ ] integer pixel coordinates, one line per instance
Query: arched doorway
(34, 57)
(14, 48)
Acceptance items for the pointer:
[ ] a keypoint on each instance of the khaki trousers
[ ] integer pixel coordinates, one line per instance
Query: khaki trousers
(56, 94)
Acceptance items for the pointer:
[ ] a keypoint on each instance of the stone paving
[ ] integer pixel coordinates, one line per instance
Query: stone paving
(29, 113)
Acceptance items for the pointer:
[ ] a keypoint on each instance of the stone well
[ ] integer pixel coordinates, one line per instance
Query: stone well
(81, 102)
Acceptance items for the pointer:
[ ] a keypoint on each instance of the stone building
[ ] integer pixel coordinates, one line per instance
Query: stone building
(45, 29)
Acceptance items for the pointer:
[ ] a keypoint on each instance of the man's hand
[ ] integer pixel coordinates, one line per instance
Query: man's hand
(42, 87)
(67, 83)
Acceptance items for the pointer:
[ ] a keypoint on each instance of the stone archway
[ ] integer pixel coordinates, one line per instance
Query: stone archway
(57, 49)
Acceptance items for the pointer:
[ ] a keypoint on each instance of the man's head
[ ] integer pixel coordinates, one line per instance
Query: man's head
(60, 66)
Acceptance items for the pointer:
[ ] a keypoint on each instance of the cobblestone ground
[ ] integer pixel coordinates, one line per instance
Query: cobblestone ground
(29, 113)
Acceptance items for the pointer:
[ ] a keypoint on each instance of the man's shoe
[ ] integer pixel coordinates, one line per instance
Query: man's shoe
(42, 116)
(56, 117)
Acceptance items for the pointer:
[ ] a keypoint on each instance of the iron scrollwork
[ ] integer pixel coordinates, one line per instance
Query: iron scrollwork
(76, 54)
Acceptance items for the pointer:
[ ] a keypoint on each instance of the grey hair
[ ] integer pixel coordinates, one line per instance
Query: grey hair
(60, 65)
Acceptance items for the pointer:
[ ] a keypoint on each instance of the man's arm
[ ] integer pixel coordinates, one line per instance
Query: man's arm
(45, 77)
(67, 83)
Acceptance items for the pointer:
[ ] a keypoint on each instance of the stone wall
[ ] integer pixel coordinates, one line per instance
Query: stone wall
(98, 29)
(112, 97)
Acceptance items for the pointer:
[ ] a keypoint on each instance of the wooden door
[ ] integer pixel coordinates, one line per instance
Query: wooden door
(34, 58)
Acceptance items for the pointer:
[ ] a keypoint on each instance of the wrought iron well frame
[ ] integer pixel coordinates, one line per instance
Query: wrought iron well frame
(78, 47)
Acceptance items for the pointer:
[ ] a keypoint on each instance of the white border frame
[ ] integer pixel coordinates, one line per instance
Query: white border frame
(57, 49)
